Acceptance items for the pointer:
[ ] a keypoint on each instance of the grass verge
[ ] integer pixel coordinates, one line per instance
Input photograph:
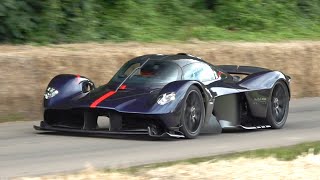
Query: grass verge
(287, 153)
(12, 117)
(291, 162)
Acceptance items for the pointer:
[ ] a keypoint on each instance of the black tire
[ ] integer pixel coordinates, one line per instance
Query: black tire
(278, 106)
(193, 113)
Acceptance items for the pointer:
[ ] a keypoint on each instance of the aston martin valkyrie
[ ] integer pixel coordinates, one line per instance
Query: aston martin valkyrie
(176, 95)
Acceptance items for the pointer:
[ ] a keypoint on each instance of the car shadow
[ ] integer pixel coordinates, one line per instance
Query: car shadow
(244, 131)
(146, 137)
(118, 137)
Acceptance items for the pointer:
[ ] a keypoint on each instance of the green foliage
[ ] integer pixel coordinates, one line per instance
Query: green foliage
(59, 21)
(310, 8)
(252, 15)
(17, 19)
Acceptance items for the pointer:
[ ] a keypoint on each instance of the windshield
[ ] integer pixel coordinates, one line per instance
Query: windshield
(154, 71)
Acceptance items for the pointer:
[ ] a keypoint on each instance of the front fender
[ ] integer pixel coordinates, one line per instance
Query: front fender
(180, 88)
(70, 87)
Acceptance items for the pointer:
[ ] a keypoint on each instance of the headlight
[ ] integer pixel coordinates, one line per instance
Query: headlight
(50, 92)
(166, 98)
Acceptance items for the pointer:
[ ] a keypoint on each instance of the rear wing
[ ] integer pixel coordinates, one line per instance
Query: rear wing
(244, 70)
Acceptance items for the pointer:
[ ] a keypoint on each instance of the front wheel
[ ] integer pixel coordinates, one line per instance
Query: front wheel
(278, 106)
(193, 113)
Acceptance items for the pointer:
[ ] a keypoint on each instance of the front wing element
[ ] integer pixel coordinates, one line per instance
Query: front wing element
(150, 131)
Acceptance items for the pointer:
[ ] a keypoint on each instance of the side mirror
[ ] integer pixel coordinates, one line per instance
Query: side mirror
(223, 75)
(236, 78)
(87, 86)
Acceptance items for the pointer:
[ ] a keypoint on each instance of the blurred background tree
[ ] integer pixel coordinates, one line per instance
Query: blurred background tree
(63, 21)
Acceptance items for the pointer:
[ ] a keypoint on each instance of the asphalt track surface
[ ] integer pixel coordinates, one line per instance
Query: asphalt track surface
(26, 152)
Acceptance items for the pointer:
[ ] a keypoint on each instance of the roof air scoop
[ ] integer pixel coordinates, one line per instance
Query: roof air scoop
(183, 54)
(186, 54)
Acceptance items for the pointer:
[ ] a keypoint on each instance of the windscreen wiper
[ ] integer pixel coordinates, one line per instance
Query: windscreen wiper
(132, 73)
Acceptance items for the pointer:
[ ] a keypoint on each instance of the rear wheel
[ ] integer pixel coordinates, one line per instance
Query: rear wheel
(278, 106)
(193, 113)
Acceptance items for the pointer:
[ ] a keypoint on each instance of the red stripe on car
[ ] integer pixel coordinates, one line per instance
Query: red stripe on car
(102, 98)
(78, 78)
(123, 87)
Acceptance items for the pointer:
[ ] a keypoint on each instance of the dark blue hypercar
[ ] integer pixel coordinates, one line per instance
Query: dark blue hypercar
(168, 95)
